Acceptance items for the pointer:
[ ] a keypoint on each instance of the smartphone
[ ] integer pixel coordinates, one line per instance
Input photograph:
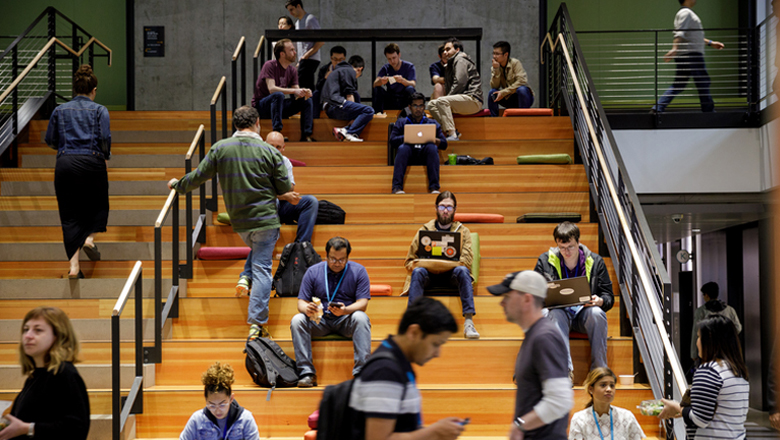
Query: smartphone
(466, 421)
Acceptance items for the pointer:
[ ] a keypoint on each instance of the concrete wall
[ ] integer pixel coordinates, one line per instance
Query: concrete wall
(200, 38)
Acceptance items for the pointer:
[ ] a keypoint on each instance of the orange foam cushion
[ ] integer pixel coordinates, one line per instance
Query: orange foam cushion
(528, 112)
(310, 435)
(478, 218)
(381, 290)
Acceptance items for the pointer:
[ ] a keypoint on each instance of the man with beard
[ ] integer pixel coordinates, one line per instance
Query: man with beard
(435, 272)
(406, 153)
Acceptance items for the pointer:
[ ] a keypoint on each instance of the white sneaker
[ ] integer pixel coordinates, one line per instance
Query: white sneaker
(469, 332)
(435, 191)
(338, 133)
(351, 137)
(398, 191)
(453, 137)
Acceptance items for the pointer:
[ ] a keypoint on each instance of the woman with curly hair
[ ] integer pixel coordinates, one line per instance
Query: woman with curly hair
(53, 403)
(222, 418)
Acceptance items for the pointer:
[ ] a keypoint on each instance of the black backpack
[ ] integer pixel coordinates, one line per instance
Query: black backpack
(330, 214)
(336, 418)
(269, 366)
(297, 257)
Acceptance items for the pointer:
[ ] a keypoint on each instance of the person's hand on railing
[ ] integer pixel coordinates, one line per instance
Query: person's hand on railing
(172, 182)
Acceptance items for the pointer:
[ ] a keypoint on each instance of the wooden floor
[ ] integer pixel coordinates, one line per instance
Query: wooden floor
(470, 379)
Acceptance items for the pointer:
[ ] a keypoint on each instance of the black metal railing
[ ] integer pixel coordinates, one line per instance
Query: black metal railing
(195, 234)
(120, 411)
(240, 53)
(258, 59)
(645, 286)
(38, 65)
(212, 203)
(766, 35)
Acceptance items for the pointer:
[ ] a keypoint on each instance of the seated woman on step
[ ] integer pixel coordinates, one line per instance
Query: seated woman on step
(600, 420)
(222, 418)
(53, 403)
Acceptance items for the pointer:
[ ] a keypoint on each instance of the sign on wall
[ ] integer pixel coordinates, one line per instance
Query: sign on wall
(154, 41)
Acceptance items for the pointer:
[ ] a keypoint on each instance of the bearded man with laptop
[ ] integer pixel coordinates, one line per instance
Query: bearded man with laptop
(571, 259)
(440, 256)
(417, 138)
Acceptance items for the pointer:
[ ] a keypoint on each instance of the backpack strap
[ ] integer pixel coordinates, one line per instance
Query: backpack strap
(388, 355)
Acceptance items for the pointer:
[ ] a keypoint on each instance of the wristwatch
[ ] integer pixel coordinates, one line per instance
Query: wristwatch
(31, 430)
(520, 423)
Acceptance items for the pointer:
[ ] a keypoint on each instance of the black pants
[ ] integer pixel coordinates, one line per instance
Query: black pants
(307, 69)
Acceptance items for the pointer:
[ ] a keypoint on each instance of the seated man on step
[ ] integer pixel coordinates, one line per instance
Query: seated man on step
(338, 100)
(568, 260)
(343, 289)
(508, 81)
(399, 77)
(435, 272)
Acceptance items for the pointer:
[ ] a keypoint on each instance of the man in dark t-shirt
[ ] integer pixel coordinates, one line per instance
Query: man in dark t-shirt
(279, 78)
(544, 395)
(385, 398)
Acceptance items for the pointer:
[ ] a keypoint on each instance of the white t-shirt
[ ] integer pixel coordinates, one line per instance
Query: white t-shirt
(583, 427)
(687, 27)
(307, 22)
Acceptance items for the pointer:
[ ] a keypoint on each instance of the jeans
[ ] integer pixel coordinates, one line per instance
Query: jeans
(385, 98)
(305, 213)
(307, 70)
(355, 325)
(459, 277)
(262, 244)
(408, 153)
(590, 320)
(522, 98)
(689, 65)
(275, 107)
(362, 115)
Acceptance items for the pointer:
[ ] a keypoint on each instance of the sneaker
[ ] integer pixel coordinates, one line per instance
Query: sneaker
(469, 332)
(308, 138)
(338, 133)
(435, 191)
(453, 137)
(244, 286)
(380, 115)
(398, 191)
(307, 381)
(258, 331)
(351, 137)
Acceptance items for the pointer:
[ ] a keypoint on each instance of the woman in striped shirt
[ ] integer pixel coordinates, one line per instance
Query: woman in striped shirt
(719, 393)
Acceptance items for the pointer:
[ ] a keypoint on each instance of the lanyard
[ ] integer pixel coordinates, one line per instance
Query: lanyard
(611, 426)
(327, 289)
(567, 273)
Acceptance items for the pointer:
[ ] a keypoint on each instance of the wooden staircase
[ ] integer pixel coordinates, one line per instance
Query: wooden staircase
(471, 378)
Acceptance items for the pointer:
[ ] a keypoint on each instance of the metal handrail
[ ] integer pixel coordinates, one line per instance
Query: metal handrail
(240, 52)
(212, 203)
(258, 58)
(135, 398)
(196, 235)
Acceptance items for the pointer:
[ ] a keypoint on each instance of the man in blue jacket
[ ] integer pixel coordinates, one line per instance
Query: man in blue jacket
(408, 152)
(338, 100)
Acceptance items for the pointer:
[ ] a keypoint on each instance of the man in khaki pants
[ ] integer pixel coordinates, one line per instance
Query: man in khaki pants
(463, 86)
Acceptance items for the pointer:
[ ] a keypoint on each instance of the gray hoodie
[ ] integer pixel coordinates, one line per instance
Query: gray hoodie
(461, 77)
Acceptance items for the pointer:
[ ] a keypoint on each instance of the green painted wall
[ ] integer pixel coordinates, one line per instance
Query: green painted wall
(104, 19)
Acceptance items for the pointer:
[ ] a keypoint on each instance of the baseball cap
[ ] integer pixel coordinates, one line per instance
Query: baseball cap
(526, 281)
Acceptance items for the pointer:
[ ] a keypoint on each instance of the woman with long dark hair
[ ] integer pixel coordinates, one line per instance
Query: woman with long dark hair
(720, 389)
(79, 130)
(53, 403)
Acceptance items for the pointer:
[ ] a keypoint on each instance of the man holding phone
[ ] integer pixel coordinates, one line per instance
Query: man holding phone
(343, 288)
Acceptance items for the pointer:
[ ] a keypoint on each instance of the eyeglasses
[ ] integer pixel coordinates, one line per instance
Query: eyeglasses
(570, 248)
(335, 261)
(213, 406)
(443, 208)
(418, 105)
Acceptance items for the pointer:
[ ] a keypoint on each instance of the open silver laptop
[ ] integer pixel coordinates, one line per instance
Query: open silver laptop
(567, 293)
(419, 133)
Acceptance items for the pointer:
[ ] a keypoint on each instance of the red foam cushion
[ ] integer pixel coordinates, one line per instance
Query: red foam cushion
(381, 290)
(314, 418)
(223, 253)
(297, 163)
(480, 114)
(478, 218)
(528, 112)
(577, 335)
(310, 435)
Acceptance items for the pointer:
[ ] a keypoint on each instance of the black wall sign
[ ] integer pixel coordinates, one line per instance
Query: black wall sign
(154, 41)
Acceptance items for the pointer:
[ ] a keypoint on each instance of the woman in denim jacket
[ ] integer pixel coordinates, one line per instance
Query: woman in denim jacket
(222, 418)
(79, 131)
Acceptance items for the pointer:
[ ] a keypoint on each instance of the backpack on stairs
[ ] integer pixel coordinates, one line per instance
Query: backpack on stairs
(268, 366)
(297, 257)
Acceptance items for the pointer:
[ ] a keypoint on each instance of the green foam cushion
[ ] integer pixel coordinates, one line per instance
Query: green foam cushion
(544, 159)
(223, 217)
(476, 259)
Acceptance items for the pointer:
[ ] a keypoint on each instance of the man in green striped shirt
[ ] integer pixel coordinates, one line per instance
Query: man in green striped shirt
(252, 174)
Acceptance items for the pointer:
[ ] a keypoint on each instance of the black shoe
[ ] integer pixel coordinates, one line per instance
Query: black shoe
(308, 139)
(76, 277)
(307, 381)
(92, 252)
(286, 139)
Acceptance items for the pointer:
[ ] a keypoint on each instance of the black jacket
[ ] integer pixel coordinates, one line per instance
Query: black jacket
(341, 83)
(600, 284)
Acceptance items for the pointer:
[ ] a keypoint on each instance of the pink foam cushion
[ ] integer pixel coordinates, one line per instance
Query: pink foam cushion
(310, 435)
(528, 112)
(478, 218)
(480, 114)
(297, 163)
(313, 419)
(223, 253)
(578, 335)
(381, 290)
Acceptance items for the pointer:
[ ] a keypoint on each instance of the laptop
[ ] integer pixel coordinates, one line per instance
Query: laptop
(439, 245)
(419, 133)
(567, 293)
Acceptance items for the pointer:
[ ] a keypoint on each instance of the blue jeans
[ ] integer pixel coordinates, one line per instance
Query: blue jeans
(275, 107)
(317, 99)
(355, 325)
(262, 244)
(305, 213)
(362, 115)
(406, 153)
(689, 65)
(459, 277)
(522, 98)
(386, 98)
(589, 320)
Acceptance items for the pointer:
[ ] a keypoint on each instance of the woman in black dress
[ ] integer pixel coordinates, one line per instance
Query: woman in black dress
(79, 130)
(54, 403)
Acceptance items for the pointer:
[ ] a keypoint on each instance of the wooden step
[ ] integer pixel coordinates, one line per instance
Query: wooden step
(94, 375)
